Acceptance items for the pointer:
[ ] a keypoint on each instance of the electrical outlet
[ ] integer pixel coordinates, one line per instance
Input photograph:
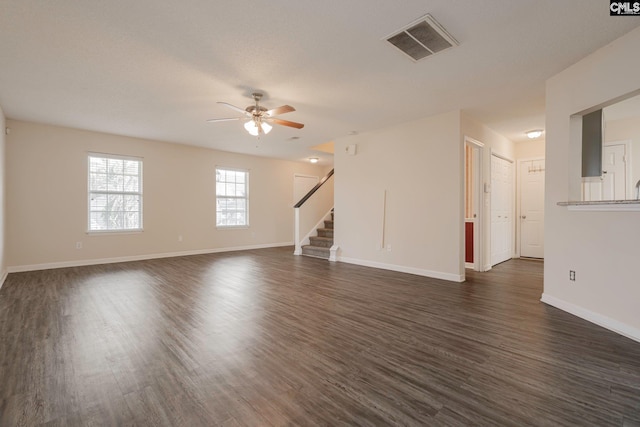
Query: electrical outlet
(572, 275)
(78, 245)
(180, 238)
(388, 248)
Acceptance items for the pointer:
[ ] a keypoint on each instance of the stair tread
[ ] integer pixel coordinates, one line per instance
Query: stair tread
(316, 251)
(321, 244)
(320, 248)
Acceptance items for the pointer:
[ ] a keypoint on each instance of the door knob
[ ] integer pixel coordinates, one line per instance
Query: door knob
(524, 217)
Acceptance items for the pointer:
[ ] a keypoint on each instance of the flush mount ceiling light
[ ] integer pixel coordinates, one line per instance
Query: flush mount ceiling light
(313, 159)
(533, 134)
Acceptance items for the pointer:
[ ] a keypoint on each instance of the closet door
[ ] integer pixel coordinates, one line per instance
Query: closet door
(502, 207)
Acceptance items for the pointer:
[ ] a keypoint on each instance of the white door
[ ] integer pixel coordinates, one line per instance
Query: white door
(614, 175)
(612, 185)
(502, 208)
(532, 209)
(301, 186)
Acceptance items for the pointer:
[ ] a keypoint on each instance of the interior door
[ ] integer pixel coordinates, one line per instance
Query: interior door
(612, 185)
(614, 175)
(502, 207)
(532, 209)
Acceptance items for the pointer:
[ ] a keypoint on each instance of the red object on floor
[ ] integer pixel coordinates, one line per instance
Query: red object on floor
(468, 242)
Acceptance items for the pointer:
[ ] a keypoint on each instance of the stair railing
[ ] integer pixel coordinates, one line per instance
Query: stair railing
(311, 210)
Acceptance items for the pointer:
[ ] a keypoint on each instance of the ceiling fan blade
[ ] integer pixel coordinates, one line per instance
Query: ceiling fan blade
(286, 123)
(233, 107)
(280, 110)
(223, 120)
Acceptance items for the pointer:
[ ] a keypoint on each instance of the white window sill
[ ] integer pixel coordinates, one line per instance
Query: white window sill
(98, 232)
(232, 227)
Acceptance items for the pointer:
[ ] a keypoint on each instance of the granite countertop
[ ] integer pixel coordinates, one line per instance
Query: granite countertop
(599, 202)
(602, 205)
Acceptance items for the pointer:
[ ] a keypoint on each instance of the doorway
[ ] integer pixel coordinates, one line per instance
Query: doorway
(502, 209)
(473, 204)
(531, 207)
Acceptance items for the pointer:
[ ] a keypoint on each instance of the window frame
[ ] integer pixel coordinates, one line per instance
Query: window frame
(245, 198)
(138, 193)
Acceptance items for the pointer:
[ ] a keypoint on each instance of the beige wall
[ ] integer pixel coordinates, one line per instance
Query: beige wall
(627, 130)
(3, 204)
(533, 149)
(493, 143)
(420, 166)
(47, 198)
(602, 247)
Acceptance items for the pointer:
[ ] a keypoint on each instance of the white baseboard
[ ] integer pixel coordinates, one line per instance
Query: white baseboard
(80, 263)
(3, 277)
(333, 253)
(403, 269)
(598, 319)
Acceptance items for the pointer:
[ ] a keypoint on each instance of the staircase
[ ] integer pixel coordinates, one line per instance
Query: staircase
(320, 244)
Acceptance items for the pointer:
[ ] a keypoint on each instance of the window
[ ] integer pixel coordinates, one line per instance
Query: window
(115, 193)
(232, 198)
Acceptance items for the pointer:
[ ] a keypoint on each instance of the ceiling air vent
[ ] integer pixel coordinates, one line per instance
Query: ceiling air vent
(422, 38)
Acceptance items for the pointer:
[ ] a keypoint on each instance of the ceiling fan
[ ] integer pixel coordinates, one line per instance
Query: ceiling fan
(259, 118)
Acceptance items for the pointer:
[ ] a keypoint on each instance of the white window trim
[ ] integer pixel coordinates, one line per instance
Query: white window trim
(89, 193)
(246, 199)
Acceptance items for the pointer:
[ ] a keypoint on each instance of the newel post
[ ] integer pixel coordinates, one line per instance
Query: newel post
(296, 232)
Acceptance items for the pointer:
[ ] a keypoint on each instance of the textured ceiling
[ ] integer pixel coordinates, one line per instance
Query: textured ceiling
(155, 69)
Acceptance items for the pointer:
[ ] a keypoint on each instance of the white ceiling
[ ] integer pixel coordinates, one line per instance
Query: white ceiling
(155, 69)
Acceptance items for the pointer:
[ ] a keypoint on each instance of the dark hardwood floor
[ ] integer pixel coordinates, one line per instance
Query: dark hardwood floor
(261, 338)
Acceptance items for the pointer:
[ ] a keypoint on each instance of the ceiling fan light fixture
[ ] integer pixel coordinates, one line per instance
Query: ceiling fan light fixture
(252, 127)
(266, 127)
(257, 116)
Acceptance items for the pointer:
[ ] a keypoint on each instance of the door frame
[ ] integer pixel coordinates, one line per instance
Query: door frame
(519, 201)
(478, 196)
